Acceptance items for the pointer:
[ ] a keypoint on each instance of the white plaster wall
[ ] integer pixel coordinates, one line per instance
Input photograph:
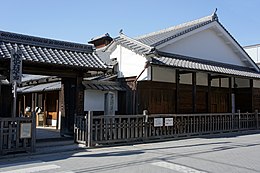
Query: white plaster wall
(116, 53)
(202, 79)
(205, 45)
(186, 78)
(94, 100)
(225, 82)
(254, 53)
(215, 82)
(161, 74)
(130, 63)
(242, 83)
(256, 84)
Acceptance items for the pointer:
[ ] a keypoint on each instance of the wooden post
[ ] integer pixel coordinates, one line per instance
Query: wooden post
(177, 91)
(209, 93)
(90, 118)
(256, 117)
(1, 136)
(57, 112)
(230, 94)
(33, 131)
(14, 99)
(252, 93)
(238, 119)
(45, 109)
(194, 93)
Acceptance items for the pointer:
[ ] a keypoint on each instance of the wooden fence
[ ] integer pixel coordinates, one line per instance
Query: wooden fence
(126, 128)
(17, 134)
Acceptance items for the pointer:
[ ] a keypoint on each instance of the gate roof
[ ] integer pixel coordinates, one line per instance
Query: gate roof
(47, 51)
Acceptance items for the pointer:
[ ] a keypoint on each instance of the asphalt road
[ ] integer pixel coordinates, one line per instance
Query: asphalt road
(220, 154)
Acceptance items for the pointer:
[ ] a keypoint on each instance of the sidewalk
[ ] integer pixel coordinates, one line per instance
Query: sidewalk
(53, 145)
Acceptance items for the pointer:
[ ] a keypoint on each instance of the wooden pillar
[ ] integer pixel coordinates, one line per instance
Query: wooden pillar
(70, 106)
(230, 94)
(79, 97)
(209, 94)
(194, 93)
(24, 104)
(177, 91)
(33, 103)
(252, 94)
(57, 114)
(45, 109)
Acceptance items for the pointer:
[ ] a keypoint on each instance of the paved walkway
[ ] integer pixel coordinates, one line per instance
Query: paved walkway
(47, 133)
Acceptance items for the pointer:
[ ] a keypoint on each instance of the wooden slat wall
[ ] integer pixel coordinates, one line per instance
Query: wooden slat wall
(256, 99)
(156, 97)
(219, 100)
(5, 101)
(160, 98)
(243, 99)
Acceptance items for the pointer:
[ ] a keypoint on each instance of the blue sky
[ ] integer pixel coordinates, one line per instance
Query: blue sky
(80, 20)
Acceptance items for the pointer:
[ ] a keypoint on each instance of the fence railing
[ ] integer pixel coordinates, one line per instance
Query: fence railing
(124, 128)
(17, 134)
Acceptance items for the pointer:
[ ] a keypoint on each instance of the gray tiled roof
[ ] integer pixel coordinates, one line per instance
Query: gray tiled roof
(54, 86)
(133, 44)
(144, 44)
(156, 38)
(29, 77)
(103, 85)
(47, 51)
(193, 64)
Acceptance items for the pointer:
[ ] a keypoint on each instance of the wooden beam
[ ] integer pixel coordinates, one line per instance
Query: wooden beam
(218, 76)
(49, 72)
(194, 93)
(177, 92)
(209, 94)
(185, 72)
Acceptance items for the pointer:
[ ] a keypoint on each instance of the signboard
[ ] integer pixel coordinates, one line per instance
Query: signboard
(158, 122)
(168, 122)
(16, 67)
(25, 130)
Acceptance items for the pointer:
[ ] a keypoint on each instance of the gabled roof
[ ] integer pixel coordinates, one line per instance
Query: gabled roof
(133, 44)
(48, 51)
(156, 38)
(146, 43)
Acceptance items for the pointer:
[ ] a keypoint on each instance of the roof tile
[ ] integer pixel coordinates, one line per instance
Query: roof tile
(49, 51)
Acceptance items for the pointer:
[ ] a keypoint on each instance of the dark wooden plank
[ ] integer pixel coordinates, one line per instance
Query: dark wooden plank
(194, 93)
(177, 103)
(1, 136)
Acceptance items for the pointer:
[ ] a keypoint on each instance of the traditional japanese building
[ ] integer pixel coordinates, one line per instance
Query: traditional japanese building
(70, 62)
(194, 67)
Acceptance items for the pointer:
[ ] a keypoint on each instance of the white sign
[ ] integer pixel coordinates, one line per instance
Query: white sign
(168, 122)
(158, 122)
(25, 130)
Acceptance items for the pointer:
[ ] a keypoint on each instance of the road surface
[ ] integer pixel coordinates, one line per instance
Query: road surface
(233, 153)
